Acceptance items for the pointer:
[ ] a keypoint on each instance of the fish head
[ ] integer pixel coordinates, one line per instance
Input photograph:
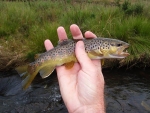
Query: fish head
(113, 48)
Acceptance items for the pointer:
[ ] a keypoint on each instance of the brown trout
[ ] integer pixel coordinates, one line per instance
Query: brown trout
(64, 54)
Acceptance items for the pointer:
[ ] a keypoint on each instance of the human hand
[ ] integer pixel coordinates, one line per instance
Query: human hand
(82, 87)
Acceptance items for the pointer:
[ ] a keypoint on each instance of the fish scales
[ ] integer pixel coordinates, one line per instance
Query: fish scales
(67, 48)
(64, 53)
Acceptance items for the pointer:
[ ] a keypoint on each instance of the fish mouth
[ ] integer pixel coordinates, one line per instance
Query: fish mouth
(122, 51)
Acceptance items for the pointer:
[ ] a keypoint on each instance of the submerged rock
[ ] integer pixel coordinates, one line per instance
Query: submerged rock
(37, 98)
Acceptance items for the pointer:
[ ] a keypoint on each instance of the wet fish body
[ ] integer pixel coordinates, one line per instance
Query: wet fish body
(64, 54)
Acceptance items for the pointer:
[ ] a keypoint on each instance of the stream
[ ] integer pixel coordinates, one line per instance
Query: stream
(126, 91)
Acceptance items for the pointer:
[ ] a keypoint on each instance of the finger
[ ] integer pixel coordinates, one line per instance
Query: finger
(97, 63)
(48, 44)
(89, 34)
(61, 33)
(82, 56)
(76, 32)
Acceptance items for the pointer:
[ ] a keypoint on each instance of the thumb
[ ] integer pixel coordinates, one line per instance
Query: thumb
(82, 56)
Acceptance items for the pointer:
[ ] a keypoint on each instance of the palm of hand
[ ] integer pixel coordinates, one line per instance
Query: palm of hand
(78, 90)
(81, 85)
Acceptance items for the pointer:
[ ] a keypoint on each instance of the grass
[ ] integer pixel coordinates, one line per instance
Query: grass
(25, 25)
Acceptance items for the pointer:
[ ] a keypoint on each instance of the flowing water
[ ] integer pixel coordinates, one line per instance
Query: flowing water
(125, 92)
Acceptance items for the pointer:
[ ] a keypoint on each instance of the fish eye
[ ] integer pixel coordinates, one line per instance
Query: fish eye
(119, 44)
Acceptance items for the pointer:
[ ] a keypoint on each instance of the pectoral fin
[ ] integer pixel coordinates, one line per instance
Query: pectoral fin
(46, 71)
(94, 54)
(69, 65)
(102, 62)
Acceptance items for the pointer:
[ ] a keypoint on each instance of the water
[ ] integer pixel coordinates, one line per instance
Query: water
(125, 92)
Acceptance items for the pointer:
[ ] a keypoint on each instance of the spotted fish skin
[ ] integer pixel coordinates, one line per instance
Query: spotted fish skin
(64, 53)
(67, 48)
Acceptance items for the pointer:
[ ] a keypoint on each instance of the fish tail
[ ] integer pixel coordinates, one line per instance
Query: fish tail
(27, 81)
(27, 74)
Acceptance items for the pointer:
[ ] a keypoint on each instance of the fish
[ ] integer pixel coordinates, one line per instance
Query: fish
(64, 54)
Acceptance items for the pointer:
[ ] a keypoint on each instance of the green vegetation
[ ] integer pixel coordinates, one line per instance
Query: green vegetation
(25, 25)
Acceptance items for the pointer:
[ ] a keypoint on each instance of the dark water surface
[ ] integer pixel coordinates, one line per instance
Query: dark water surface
(125, 92)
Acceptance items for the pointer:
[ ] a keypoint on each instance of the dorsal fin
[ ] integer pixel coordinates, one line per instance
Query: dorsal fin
(64, 42)
(76, 40)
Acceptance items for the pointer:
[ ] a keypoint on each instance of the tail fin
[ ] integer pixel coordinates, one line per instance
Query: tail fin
(27, 81)
(29, 72)
(27, 77)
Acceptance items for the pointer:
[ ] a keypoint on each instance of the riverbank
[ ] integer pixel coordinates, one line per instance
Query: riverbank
(25, 26)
